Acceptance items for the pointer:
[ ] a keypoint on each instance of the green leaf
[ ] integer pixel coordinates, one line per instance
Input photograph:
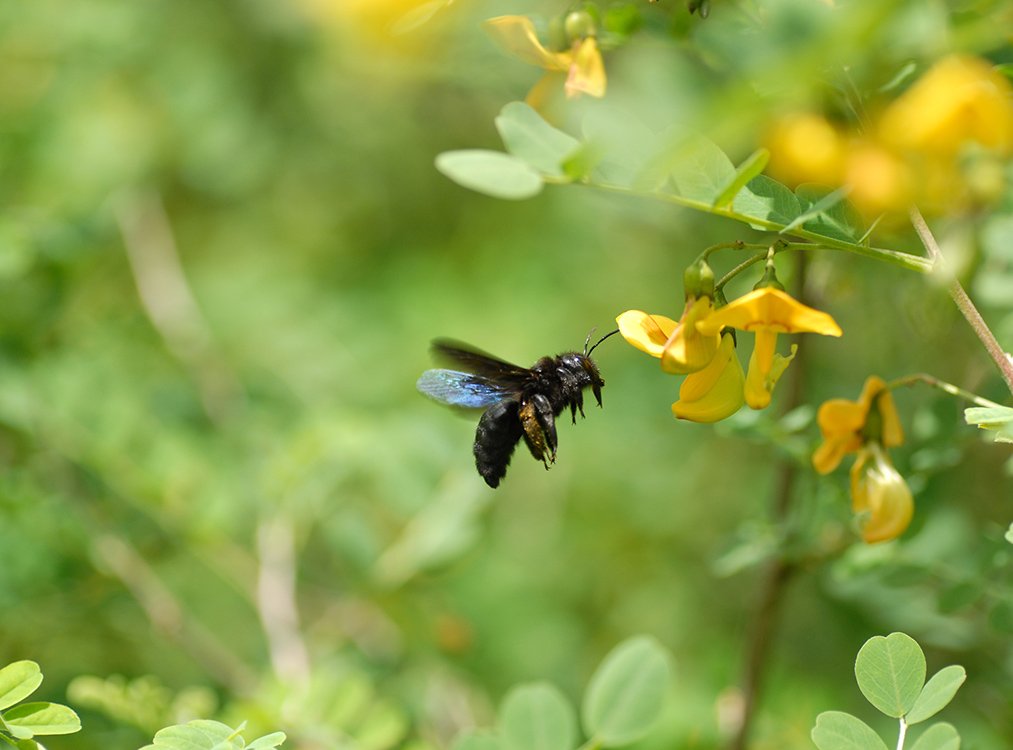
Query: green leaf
(18, 681)
(200, 734)
(491, 172)
(701, 170)
(747, 170)
(42, 718)
(478, 741)
(626, 692)
(825, 213)
(267, 742)
(527, 136)
(891, 672)
(937, 692)
(997, 418)
(767, 200)
(1009, 534)
(836, 730)
(537, 717)
(940, 736)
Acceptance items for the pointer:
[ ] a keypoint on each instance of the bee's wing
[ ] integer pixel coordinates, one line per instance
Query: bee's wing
(507, 376)
(462, 389)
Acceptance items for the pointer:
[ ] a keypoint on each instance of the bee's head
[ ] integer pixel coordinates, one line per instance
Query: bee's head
(591, 368)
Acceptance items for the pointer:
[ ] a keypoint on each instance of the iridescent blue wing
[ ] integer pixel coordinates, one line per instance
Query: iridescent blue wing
(462, 389)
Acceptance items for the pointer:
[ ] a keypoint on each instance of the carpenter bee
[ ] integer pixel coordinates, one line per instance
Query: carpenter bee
(518, 401)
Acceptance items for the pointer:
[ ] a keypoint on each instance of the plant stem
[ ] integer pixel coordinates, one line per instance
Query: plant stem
(780, 570)
(894, 257)
(921, 377)
(739, 269)
(963, 302)
(901, 734)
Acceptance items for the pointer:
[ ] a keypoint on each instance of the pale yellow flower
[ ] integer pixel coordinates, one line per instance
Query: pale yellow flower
(679, 345)
(880, 494)
(582, 64)
(845, 425)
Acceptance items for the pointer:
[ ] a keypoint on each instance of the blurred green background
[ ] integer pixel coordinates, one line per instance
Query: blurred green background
(224, 249)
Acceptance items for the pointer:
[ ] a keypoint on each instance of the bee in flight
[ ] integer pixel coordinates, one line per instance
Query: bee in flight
(518, 401)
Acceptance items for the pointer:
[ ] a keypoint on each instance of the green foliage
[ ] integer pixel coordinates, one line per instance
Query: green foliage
(20, 723)
(621, 704)
(890, 672)
(491, 172)
(210, 735)
(998, 419)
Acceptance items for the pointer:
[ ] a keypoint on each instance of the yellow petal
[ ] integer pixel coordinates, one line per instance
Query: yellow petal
(587, 70)
(769, 308)
(715, 392)
(879, 491)
(516, 36)
(828, 456)
(646, 332)
(687, 350)
(765, 368)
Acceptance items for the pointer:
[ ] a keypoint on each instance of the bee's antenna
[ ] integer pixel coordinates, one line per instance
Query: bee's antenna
(612, 333)
(588, 341)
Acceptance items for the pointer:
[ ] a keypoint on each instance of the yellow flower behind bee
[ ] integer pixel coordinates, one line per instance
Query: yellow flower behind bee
(582, 63)
(844, 424)
(879, 492)
(767, 312)
(715, 392)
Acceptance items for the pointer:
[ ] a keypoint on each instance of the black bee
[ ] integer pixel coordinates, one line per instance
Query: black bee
(518, 401)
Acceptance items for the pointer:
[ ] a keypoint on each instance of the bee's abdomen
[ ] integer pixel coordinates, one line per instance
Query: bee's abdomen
(497, 434)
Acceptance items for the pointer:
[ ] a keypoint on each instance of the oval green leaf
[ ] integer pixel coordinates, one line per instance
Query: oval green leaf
(537, 717)
(940, 736)
(42, 718)
(937, 692)
(836, 730)
(527, 136)
(491, 172)
(478, 741)
(891, 672)
(18, 681)
(267, 742)
(747, 170)
(626, 692)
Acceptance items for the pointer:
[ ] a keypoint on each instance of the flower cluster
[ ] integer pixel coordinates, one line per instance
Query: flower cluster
(701, 346)
(576, 62)
(867, 427)
(937, 144)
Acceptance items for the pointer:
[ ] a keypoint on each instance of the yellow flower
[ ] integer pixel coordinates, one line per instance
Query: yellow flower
(767, 312)
(680, 346)
(582, 63)
(878, 490)
(959, 99)
(806, 148)
(846, 425)
(715, 392)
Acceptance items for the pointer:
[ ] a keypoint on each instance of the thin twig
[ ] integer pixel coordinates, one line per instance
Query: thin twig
(276, 600)
(964, 304)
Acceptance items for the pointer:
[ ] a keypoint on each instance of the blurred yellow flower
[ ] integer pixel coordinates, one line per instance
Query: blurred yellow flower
(582, 63)
(880, 492)
(847, 425)
(960, 99)
(715, 392)
(767, 312)
(806, 148)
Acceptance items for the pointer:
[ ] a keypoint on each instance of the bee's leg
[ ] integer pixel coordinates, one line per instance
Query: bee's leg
(539, 428)
(573, 411)
(579, 401)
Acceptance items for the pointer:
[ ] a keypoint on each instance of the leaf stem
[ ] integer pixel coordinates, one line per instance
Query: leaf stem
(921, 377)
(894, 257)
(901, 734)
(963, 302)
(739, 269)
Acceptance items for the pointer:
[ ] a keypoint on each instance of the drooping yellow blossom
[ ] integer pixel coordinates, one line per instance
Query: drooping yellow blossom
(582, 63)
(767, 312)
(878, 490)
(715, 392)
(679, 345)
(960, 99)
(847, 425)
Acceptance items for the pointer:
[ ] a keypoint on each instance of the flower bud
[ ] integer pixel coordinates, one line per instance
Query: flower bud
(579, 25)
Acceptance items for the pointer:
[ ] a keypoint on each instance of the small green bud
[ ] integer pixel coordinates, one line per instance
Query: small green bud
(557, 34)
(769, 279)
(706, 279)
(691, 280)
(579, 25)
